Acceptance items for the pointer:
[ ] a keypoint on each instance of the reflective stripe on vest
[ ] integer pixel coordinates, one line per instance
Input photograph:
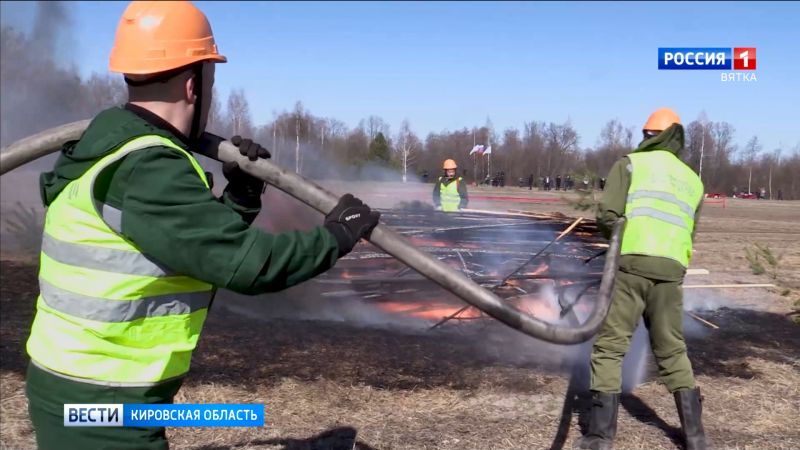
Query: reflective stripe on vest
(662, 200)
(449, 195)
(107, 313)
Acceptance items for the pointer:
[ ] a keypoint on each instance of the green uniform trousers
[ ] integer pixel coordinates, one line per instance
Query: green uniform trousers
(661, 304)
(47, 394)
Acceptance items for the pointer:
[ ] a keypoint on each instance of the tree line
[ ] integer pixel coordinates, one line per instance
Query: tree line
(326, 147)
(38, 93)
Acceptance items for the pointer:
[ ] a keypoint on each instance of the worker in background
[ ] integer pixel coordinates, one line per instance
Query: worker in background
(135, 243)
(660, 197)
(450, 191)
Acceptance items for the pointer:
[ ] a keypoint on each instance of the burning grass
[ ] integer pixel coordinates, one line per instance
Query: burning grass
(331, 385)
(472, 385)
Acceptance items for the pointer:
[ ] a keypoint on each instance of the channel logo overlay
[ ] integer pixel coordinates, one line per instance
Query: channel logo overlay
(707, 58)
(163, 415)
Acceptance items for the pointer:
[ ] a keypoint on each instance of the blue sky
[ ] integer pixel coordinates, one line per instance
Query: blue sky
(453, 64)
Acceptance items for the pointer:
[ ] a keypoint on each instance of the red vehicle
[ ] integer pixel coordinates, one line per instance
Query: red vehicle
(750, 196)
(715, 195)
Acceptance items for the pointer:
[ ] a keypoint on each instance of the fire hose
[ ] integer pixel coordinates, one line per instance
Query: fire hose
(50, 141)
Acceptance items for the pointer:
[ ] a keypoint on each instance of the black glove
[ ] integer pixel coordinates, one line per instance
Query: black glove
(244, 188)
(350, 221)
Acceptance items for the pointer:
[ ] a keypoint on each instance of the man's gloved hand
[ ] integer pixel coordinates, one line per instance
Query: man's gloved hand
(244, 188)
(350, 221)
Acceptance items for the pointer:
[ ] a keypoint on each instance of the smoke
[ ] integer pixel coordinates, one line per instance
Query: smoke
(704, 299)
(38, 93)
(40, 84)
(53, 24)
(317, 164)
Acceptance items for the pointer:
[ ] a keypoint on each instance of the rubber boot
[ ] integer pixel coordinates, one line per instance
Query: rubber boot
(602, 423)
(690, 408)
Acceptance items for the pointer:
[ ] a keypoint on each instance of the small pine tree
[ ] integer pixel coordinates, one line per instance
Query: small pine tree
(379, 150)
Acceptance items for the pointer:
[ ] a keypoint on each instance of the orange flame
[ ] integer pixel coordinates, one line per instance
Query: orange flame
(432, 310)
(436, 310)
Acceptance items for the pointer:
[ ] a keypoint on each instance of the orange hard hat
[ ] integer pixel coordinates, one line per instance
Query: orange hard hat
(449, 164)
(158, 36)
(661, 119)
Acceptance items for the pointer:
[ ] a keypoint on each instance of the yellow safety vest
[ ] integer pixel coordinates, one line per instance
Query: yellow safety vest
(449, 195)
(107, 313)
(662, 200)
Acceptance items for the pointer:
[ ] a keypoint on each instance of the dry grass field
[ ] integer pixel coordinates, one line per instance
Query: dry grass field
(341, 385)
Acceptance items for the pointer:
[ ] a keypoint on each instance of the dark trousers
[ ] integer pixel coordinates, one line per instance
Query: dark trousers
(47, 394)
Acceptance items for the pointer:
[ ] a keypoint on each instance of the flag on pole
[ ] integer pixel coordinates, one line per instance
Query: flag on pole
(477, 149)
(488, 150)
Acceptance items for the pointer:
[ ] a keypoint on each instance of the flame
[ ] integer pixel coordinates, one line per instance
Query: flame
(427, 310)
(537, 306)
(434, 310)
(542, 268)
(424, 242)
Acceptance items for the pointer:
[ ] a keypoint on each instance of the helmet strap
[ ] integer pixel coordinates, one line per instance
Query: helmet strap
(194, 133)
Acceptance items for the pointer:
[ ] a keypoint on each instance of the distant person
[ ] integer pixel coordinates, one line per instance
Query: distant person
(660, 196)
(502, 179)
(780, 194)
(558, 182)
(585, 183)
(568, 182)
(530, 182)
(602, 183)
(450, 191)
(547, 183)
(425, 176)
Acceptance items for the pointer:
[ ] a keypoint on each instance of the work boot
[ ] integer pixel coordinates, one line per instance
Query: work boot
(690, 408)
(602, 422)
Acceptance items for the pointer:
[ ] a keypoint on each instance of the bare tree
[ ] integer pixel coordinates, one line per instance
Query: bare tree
(703, 120)
(239, 113)
(104, 91)
(407, 145)
(373, 125)
(751, 151)
(216, 122)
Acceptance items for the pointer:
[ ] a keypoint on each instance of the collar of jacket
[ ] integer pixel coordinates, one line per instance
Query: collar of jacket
(671, 140)
(156, 120)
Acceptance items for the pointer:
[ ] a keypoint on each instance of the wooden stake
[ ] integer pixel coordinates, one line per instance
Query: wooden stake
(700, 319)
(697, 272)
(728, 286)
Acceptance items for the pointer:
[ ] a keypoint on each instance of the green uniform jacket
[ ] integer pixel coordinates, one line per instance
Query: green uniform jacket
(173, 218)
(615, 196)
(462, 191)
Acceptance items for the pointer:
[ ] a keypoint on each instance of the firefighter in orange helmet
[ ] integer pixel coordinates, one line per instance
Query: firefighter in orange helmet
(136, 242)
(450, 191)
(660, 197)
